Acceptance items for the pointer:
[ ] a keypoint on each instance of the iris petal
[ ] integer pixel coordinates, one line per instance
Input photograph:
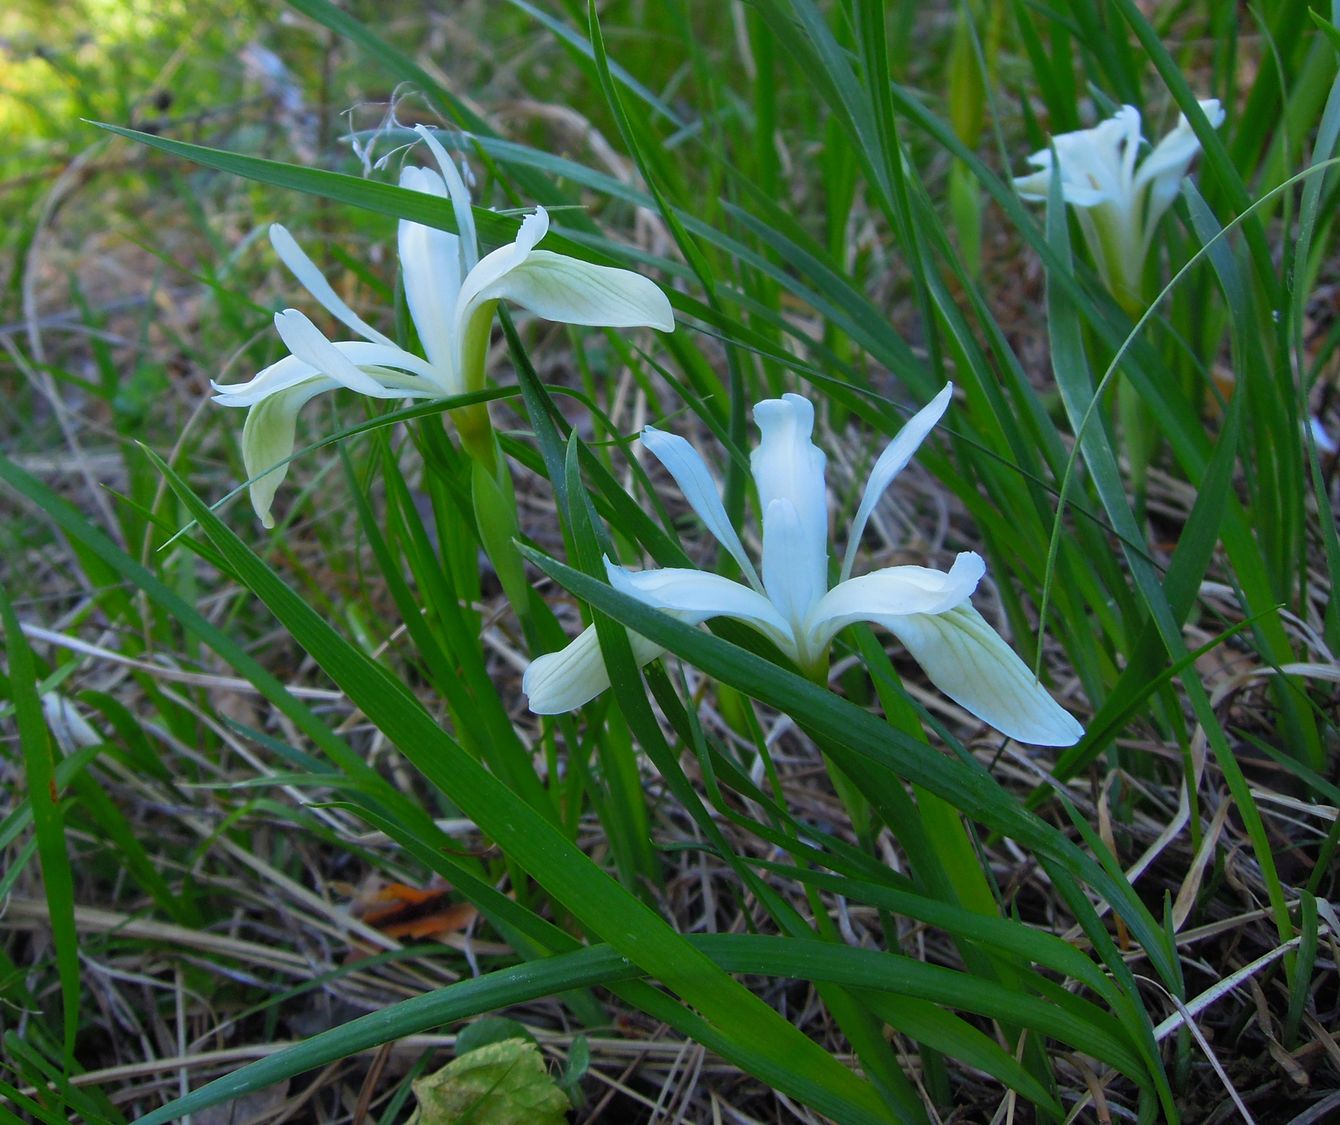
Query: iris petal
(969, 661)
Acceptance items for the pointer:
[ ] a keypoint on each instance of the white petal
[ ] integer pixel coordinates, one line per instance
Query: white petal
(969, 661)
(788, 469)
(1096, 164)
(304, 269)
(891, 462)
(460, 199)
(695, 481)
(305, 341)
(894, 592)
(694, 596)
(267, 440)
(1164, 168)
(492, 268)
(291, 370)
(431, 262)
(570, 291)
(564, 680)
(288, 372)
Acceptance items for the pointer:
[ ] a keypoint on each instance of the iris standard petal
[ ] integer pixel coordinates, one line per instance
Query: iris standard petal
(267, 440)
(891, 462)
(893, 592)
(493, 267)
(686, 465)
(969, 661)
(695, 596)
(460, 200)
(313, 280)
(570, 291)
(562, 681)
(788, 466)
(791, 581)
(1164, 169)
(430, 260)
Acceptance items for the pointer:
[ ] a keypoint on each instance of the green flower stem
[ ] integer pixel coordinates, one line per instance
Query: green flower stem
(496, 518)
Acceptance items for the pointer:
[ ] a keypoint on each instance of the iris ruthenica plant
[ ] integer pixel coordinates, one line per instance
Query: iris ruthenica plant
(452, 293)
(791, 604)
(1118, 200)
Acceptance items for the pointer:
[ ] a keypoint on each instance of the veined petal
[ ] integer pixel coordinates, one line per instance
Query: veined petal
(969, 661)
(306, 341)
(788, 469)
(431, 262)
(267, 440)
(460, 200)
(891, 462)
(1164, 168)
(896, 591)
(690, 472)
(570, 291)
(304, 269)
(695, 596)
(562, 681)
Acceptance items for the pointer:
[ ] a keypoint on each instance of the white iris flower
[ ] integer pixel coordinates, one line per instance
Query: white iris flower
(791, 604)
(452, 293)
(1118, 203)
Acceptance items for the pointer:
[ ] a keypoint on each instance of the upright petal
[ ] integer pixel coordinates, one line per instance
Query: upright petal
(695, 596)
(562, 681)
(896, 591)
(788, 469)
(1164, 168)
(431, 262)
(267, 440)
(695, 481)
(493, 267)
(570, 291)
(891, 462)
(460, 200)
(304, 269)
(969, 661)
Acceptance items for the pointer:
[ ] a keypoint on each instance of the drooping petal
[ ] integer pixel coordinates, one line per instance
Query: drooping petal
(891, 462)
(460, 200)
(287, 372)
(562, 681)
(267, 440)
(304, 269)
(306, 341)
(1164, 169)
(788, 470)
(431, 262)
(695, 596)
(570, 291)
(896, 591)
(971, 663)
(690, 472)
